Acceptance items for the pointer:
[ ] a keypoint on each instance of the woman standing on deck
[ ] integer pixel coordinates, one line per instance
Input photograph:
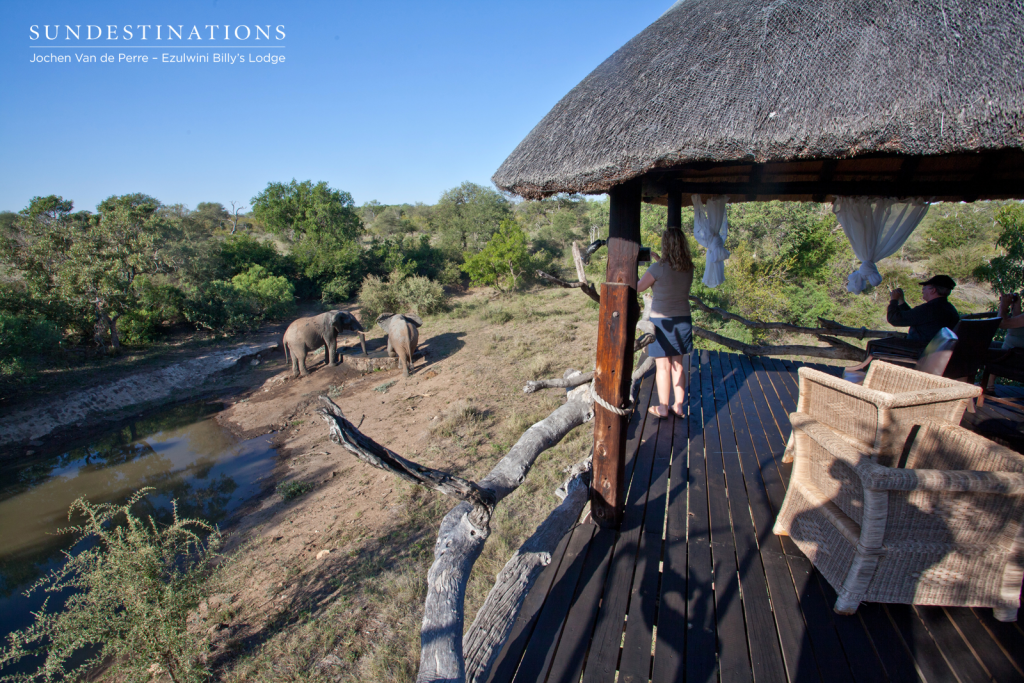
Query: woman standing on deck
(671, 277)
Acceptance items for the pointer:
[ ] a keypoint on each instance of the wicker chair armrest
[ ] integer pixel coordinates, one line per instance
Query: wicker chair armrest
(888, 479)
(878, 398)
(836, 446)
(925, 396)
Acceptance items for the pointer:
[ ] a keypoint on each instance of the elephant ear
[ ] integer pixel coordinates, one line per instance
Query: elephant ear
(325, 323)
(414, 319)
(382, 320)
(346, 321)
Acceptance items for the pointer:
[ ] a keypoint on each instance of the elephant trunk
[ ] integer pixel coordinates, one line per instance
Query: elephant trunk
(362, 341)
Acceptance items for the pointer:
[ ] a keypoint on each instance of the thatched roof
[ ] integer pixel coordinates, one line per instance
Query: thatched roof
(752, 84)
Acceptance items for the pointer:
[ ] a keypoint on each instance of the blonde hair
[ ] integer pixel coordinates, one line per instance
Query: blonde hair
(675, 250)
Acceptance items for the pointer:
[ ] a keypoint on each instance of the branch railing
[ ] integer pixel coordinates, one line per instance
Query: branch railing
(828, 332)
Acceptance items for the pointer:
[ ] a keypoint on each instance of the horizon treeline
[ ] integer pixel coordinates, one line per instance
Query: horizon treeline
(135, 268)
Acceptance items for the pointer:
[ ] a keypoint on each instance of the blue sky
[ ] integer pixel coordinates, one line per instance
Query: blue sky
(393, 101)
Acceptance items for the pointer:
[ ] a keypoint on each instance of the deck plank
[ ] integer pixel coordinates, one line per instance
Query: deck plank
(541, 649)
(512, 651)
(860, 652)
(572, 647)
(956, 653)
(991, 655)
(1007, 635)
(670, 648)
(734, 654)
(701, 623)
(828, 651)
(930, 663)
(605, 649)
(762, 635)
(635, 663)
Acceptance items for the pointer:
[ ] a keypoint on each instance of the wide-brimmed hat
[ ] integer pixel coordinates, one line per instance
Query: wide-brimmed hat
(941, 281)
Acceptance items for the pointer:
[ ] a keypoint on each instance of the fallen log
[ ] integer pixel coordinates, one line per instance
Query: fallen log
(466, 527)
(495, 619)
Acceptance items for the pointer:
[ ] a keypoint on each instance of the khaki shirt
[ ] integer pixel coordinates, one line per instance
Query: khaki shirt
(671, 291)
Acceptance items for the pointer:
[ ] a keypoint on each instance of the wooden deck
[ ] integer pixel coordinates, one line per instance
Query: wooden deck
(696, 587)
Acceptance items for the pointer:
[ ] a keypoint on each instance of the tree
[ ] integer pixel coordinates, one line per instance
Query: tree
(236, 207)
(324, 226)
(1006, 272)
(210, 215)
(503, 261)
(299, 209)
(113, 250)
(88, 261)
(467, 216)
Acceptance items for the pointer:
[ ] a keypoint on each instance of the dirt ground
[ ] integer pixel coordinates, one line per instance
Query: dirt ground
(329, 585)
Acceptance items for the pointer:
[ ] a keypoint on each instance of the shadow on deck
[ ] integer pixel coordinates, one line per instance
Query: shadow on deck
(696, 587)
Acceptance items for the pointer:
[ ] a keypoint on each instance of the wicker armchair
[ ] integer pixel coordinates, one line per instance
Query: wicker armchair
(947, 530)
(879, 415)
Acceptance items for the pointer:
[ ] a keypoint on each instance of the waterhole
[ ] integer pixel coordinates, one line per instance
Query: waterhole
(182, 453)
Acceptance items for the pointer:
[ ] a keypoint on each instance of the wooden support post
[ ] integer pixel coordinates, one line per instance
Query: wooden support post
(616, 332)
(675, 208)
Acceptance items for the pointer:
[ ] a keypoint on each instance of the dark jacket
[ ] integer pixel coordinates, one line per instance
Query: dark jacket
(925, 320)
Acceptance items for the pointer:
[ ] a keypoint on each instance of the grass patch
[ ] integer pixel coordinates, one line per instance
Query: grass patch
(383, 388)
(498, 315)
(290, 490)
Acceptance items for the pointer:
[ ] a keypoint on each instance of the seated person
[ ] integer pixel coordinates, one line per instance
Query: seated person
(1012, 321)
(924, 321)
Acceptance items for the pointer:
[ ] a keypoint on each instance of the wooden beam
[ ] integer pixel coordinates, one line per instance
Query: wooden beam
(675, 208)
(612, 380)
(991, 188)
(617, 320)
(623, 233)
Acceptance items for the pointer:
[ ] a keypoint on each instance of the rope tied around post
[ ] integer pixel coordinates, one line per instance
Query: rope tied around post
(608, 406)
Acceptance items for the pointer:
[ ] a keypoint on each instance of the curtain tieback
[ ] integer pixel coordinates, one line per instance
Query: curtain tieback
(863, 276)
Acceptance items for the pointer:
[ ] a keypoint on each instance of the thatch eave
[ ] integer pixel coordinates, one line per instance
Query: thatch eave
(753, 82)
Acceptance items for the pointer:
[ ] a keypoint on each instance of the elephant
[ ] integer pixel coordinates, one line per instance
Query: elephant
(309, 334)
(403, 337)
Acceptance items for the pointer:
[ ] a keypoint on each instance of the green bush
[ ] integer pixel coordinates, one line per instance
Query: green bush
(290, 490)
(138, 328)
(401, 294)
(337, 290)
(503, 262)
(242, 304)
(272, 295)
(450, 274)
(1006, 272)
(958, 262)
(240, 252)
(377, 296)
(130, 592)
(25, 333)
(422, 296)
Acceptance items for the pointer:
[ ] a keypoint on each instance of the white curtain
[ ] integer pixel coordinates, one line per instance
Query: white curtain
(876, 228)
(711, 227)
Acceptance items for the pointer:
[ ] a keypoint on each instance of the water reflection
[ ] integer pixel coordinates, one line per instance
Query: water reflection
(182, 453)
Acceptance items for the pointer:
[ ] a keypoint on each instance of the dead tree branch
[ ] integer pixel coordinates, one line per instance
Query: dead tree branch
(827, 326)
(493, 623)
(465, 528)
(585, 287)
(344, 433)
(574, 378)
(838, 350)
